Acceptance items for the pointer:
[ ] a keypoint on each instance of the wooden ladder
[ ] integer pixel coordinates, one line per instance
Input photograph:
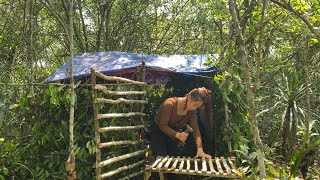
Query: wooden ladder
(138, 115)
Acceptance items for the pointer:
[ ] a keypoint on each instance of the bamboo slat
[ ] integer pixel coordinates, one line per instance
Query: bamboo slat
(119, 101)
(119, 115)
(162, 162)
(159, 159)
(120, 128)
(168, 163)
(118, 93)
(174, 164)
(212, 170)
(119, 158)
(132, 175)
(119, 170)
(224, 162)
(196, 169)
(117, 143)
(204, 165)
(188, 164)
(181, 164)
(219, 166)
(119, 79)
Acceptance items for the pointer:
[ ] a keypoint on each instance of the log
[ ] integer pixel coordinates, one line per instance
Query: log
(120, 128)
(119, 101)
(117, 143)
(119, 115)
(119, 79)
(118, 93)
(119, 158)
(119, 170)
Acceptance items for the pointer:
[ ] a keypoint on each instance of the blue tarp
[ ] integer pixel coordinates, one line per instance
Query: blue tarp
(112, 61)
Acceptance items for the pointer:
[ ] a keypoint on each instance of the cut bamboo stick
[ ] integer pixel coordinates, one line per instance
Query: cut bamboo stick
(219, 166)
(196, 169)
(174, 164)
(168, 163)
(162, 162)
(204, 165)
(119, 158)
(132, 175)
(119, 115)
(117, 143)
(181, 164)
(118, 93)
(123, 168)
(224, 162)
(212, 170)
(234, 169)
(120, 128)
(120, 100)
(159, 159)
(119, 79)
(188, 164)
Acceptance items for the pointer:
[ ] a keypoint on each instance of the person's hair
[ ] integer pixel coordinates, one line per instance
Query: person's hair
(205, 96)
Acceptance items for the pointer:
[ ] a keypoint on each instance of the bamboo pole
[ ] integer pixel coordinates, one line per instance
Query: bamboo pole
(117, 143)
(120, 158)
(96, 123)
(132, 175)
(120, 100)
(119, 79)
(119, 93)
(119, 170)
(119, 115)
(120, 128)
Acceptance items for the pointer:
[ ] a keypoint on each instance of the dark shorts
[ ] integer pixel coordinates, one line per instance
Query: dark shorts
(162, 144)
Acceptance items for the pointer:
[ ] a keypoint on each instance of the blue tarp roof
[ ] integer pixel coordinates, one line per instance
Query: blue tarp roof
(112, 61)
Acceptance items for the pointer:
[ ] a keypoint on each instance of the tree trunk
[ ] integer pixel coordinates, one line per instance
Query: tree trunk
(70, 163)
(250, 93)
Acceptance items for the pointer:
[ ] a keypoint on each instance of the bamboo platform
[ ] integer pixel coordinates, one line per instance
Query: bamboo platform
(215, 167)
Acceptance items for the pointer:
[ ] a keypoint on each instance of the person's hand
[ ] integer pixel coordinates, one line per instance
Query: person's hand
(182, 136)
(201, 154)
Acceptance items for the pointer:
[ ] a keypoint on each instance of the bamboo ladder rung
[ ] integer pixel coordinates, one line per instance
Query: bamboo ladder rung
(121, 169)
(105, 90)
(119, 115)
(132, 175)
(119, 101)
(120, 128)
(119, 79)
(117, 143)
(120, 158)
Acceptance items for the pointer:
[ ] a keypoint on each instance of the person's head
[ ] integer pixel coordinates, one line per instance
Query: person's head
(200, 98)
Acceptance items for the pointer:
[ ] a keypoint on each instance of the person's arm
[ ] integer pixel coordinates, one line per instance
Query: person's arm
(165, 118)
(197, 137)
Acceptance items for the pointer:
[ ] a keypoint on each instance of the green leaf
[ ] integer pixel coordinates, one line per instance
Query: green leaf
(314, 40)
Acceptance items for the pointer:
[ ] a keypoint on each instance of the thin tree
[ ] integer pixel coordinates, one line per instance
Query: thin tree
(250, 91)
